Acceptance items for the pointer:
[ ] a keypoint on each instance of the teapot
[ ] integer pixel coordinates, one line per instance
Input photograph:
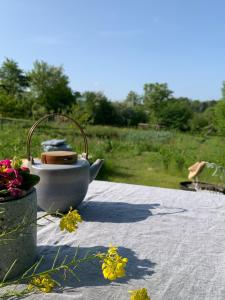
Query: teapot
(62, 185)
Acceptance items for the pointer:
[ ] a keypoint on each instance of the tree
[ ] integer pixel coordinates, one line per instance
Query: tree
(38, 111)
(155, 96)
(13, 80)
(200, 106)
(13, 107)
(223, 90)
(100, 109)
(200, 123)
(129, 116)
(49, 86)
(79, 113)
(219, 119)
(219, 113)
(13, 91)
(176, 114)
(133, 99)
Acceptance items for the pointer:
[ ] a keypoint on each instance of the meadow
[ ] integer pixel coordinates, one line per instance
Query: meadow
(137, 156)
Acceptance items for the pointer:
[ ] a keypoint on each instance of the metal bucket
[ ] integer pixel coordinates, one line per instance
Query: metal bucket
(18, 235)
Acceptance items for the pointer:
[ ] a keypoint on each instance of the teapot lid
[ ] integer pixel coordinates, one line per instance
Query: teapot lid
(38, 165)
(59, 157)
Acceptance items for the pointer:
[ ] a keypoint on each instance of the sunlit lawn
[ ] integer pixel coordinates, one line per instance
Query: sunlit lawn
(156, 158)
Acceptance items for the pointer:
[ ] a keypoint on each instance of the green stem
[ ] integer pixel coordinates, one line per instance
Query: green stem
(73, 263)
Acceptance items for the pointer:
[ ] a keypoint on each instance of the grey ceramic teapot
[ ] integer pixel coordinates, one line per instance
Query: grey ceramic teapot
(62, 186)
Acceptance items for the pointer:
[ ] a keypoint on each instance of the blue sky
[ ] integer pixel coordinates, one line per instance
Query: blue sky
(118, 45)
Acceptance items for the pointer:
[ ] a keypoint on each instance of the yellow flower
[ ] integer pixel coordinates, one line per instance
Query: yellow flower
(113, 264)
(3, 169)
(141, 294)
(43, 283)
(16, 163)
(70, 220)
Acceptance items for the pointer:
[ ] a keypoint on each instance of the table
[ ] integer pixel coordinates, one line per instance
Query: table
(174, 240)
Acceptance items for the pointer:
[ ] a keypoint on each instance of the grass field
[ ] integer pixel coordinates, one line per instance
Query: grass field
(148, 157)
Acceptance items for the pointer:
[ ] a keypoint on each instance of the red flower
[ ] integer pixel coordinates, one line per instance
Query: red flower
(13, 177)
(6, 162)
(15, 192)
(9, 170)
(15, 182)
(25, 169)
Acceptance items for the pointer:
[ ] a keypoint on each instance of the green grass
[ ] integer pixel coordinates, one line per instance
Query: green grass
(147, 157)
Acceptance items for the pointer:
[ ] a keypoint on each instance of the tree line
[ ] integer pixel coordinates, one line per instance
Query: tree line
(45, 88)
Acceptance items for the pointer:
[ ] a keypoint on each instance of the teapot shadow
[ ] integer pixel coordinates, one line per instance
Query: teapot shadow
(115, 212)
(90, 274)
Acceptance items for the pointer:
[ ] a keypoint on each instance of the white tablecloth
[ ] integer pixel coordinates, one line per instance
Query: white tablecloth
(174, 240)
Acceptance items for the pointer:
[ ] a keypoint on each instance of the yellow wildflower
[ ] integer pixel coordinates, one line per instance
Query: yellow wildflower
(113, 264)
(70, 220)
(141, 294)
(16, 163)
(43, 283)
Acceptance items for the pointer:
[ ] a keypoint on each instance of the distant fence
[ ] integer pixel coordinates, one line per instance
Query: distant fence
(4, 120)
(29, 122)
(58, 123)
(150, 126)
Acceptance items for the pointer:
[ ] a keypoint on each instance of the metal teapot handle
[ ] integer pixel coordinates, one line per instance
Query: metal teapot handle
(32, 129)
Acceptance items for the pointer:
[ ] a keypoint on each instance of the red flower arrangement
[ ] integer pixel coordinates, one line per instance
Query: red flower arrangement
(15, 180)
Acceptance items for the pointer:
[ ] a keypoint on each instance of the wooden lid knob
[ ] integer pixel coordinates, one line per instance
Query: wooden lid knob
(59, 157)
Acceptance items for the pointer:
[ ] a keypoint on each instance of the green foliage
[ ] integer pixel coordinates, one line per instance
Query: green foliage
(199, 123)
(46, 89)
(220, 117)
(13, 81)
(79, 113)
(38, 111)
(148, 157)
(180, 158)
(148, 136)
(155, 96)
(166, 155)
(101, 110)
(11, 106)
(49, 86)
(176, 115)
(13, 91)
(223, 90)
(133, 99)
(201, 106)
(30, 180)
(129, 115)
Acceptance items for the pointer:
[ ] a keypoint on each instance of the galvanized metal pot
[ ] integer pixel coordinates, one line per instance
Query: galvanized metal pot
(18, 218)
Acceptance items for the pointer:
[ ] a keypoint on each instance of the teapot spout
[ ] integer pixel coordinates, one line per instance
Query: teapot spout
(94, 169)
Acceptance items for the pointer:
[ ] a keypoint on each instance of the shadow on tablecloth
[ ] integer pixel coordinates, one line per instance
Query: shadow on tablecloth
(90, 273)
(122, 212)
